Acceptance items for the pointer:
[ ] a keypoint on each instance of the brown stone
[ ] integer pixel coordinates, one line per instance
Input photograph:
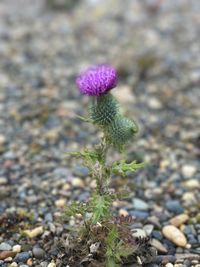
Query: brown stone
(179, 219)
(5, 254)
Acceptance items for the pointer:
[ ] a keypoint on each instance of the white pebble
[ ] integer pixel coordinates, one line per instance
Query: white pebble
(192, 184)
(8, 259)
(60, 203)
(77, 182)
(16, 248)
(52, 264)
(123, 212)
(2, 139)
(188, 170)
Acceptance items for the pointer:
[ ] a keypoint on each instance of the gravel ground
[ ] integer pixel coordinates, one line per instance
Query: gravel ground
(155, 47)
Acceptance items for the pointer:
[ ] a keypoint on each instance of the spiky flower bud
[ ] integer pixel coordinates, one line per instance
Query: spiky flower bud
(120, 131)
(104, 109)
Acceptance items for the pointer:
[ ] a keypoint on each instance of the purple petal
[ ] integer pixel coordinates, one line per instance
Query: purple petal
(97, 80)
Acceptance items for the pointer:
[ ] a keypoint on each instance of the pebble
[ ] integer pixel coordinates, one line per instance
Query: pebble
(169, 265)
(22, 257)
(48, 217)
(187, 262)
(16, 248)
(188, 171)
(139, 214)
(34, 232)
(5, 246)
(29, 262)
(167, 258)
(3, 180)
(123, 212)
(9, 259)
(139, 204)
(154, 103)
(147, 265)
(192, 184)
(52, 264)
(77, 182)
(10, 155)
(179, 219)
(38, 253)
(174, 206)
(158, 245)
(81, 171)
(60, 203)
(148, 228)
(5, 254)
(157, 235)
(2, 140)
(189, 198)
(13, 264)
(44, 264)
(174, 235)
(94, 247)
(139, 233)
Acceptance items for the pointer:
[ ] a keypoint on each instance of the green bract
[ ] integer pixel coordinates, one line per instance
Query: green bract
(120, 131)
(103, 110)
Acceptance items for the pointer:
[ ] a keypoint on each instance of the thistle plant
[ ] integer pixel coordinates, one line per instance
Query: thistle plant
(106, 236)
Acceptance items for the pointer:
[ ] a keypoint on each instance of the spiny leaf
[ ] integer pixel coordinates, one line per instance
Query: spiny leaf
(110, 262)
(115, 248)
(124, 250)
(86, 155)
(112, 236)
(122, 167)
(74, 209)
(100, 205)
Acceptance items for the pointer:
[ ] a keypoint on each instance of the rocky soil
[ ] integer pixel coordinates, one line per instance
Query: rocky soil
(154, 44)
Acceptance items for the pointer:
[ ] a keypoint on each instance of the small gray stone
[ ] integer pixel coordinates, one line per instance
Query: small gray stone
(139, 204)
(81, 171)
(44, 264)
(38, 253)
(148, 228)
(139, 214)
(48, 217)
(5, 246)
(10, 155)
(187, 263)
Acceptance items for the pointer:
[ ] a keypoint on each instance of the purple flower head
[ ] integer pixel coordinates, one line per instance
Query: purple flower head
(97, 80)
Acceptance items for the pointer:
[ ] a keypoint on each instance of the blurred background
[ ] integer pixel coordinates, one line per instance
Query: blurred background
(44, 44)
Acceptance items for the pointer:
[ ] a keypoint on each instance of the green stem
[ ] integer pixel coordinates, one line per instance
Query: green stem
(100, 172)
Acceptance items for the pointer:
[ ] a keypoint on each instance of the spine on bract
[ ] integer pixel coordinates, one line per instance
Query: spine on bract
(103, 110)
